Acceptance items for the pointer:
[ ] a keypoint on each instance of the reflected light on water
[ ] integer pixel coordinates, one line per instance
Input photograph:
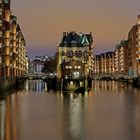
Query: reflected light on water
(109, 111)
(75, 113)
(2, 124)
(35, 85)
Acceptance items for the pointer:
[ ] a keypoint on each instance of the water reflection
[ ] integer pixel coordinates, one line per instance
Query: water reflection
(35, 85)
(75, 113)
(98, 114)
(8, 120)
(109, 86)
(2, 121)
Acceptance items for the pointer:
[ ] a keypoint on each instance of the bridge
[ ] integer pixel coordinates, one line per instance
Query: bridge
(31, 76)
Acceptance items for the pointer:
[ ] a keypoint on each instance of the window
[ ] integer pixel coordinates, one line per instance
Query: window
(79, 67)
(71, 53)
(68, 54)
(63, 53)
(73, 43)
(78, 53)
(76, 75)
(85, 54)
(67, 67)
(75, 67)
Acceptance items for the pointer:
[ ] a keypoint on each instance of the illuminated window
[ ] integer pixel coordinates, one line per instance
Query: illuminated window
(79, 67)
(76, 75)
(67, 67)
(70, 67)
(75, 67)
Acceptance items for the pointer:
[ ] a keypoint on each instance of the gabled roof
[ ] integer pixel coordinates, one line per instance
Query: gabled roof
(77, 40)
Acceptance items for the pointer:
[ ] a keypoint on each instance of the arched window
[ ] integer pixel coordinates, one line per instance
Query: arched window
(76, 53)
(68, 53)
(63, 53)
(71, 54)
(85, 54)
(79, 54)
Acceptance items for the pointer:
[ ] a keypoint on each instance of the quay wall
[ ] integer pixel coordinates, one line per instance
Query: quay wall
(8, 85)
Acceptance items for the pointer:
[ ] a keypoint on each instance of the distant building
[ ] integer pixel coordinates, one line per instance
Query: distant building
(110, 63)
(97, 65)
(42, 58)
(36, 66)
(134, 50)
(42, 64)
(104, 64)
(75, 56)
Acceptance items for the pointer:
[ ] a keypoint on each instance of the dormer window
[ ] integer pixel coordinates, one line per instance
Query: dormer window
(65, 43)
(73, 43)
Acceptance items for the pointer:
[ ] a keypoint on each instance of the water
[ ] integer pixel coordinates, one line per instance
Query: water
(110, 111)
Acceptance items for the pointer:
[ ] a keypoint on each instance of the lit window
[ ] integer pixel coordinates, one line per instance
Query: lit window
(79, 67)
(67, 67)
(76, 74)
(75, 67)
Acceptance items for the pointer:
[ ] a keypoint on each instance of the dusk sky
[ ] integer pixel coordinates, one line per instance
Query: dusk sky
(44, 21)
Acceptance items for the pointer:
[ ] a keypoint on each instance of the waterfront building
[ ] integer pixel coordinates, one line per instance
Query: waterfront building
(134, 50)
(1, 33)
(22, 58)
(75, 56)
(121, 58)
(105, 64)
(6, 12)
(13, 54)
(102, 63)
(13, 27)
(97, 65)
(110, 62)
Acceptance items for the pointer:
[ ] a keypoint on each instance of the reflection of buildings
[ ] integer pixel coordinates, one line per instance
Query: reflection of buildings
(73, 115)
(2, 119)
(8, 125)
(35, 85)
(13, 55)
(75, 56)
(104, 86)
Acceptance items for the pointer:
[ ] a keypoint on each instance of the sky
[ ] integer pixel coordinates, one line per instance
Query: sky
(43, 22)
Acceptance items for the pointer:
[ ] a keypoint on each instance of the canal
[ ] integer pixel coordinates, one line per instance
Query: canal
(110, 111)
